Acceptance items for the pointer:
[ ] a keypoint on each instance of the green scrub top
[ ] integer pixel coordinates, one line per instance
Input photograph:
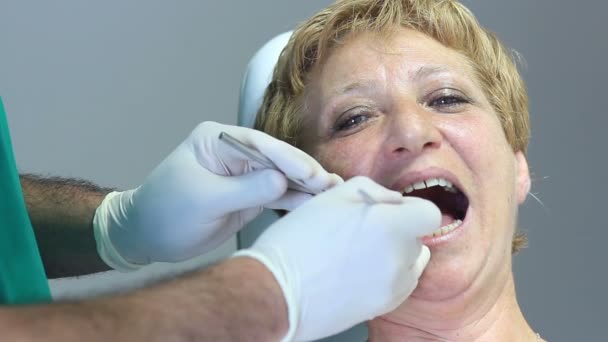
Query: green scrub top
(22, 276)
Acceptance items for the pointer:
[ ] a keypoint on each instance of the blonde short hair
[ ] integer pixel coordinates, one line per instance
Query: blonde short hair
(447, 21)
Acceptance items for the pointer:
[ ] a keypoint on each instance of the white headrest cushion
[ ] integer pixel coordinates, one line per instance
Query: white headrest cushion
(257, 77)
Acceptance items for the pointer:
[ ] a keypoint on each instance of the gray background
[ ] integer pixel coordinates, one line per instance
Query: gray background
(103, 90)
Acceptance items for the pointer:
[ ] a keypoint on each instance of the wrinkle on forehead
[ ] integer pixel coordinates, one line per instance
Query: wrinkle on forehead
(375, 46)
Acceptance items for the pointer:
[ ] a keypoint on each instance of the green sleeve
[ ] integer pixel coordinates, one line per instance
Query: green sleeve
(22, 276)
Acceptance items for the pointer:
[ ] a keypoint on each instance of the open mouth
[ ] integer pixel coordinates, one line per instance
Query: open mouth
(452, 202)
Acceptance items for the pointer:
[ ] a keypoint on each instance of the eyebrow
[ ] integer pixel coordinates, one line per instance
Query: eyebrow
(352, 86)
(426, 71)
(420, 73)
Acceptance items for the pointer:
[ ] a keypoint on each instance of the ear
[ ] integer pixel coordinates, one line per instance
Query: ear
(523, 177)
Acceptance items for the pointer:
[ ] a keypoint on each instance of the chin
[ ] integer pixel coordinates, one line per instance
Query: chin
(446, 277)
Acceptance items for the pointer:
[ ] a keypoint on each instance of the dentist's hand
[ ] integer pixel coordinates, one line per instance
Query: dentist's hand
(341, 260)
(201, 195)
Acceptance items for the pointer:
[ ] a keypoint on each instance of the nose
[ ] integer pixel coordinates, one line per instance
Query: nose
(412, 132)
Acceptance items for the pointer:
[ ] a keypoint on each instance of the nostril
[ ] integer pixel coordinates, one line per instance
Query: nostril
(429, 144)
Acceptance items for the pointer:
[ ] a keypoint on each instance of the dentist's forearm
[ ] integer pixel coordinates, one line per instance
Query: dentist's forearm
(61, 211)
(237, 300)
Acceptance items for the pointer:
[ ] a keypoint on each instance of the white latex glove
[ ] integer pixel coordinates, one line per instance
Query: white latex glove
(199, 196)
(341, 260)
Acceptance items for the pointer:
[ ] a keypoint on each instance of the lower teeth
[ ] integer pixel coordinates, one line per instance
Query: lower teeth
(446, 229)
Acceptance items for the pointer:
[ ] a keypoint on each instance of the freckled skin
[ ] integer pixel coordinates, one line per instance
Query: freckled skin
(404, 133)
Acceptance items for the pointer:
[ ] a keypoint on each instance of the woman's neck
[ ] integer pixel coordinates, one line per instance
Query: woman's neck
(497, 319)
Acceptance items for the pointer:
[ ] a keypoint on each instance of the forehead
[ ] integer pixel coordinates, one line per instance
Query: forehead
(402, 55)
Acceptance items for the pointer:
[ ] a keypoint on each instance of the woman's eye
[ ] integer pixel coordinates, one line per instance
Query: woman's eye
(448, 102)
(351, 122)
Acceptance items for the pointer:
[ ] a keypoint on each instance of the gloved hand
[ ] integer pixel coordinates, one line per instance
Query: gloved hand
(199, 196)
(341, 260)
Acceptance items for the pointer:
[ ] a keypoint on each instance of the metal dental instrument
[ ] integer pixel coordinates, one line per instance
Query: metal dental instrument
(367, 197)
(294, 184)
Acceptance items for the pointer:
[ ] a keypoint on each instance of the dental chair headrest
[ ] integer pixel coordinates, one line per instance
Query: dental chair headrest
(257, 77)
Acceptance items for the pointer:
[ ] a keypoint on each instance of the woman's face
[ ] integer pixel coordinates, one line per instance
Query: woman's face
(409, 113)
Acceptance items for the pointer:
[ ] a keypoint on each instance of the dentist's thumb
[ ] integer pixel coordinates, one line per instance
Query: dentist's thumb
(419, 217)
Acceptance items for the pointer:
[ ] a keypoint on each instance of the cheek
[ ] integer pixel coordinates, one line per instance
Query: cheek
(480, 142)
(485, 154)
(345, 158)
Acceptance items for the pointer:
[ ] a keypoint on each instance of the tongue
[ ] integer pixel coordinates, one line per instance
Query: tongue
(446, 219)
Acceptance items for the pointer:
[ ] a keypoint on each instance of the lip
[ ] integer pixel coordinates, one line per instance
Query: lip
(432, 241)
(435, 172)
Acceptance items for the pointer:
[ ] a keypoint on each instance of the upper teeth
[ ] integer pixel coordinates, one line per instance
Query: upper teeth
(446, 184)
